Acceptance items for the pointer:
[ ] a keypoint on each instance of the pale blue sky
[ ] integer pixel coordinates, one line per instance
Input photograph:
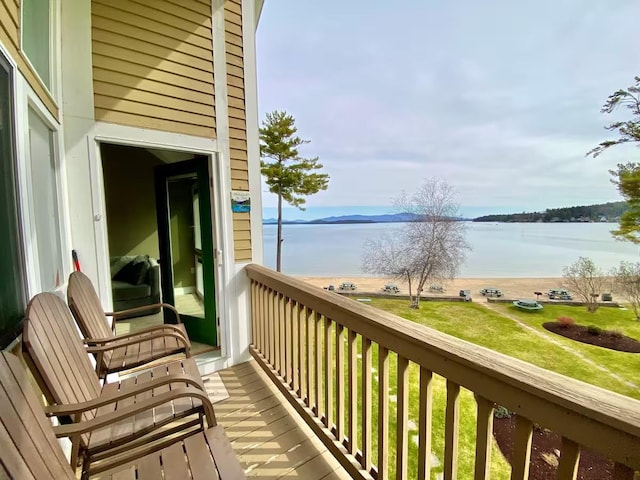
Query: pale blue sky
(500, 98)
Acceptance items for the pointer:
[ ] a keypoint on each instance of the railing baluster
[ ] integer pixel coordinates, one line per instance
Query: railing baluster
(281, 330)
(339, 382)
(302, 348)
(263, 319)
(295, 340)
(352, 430)
(268, 330)
(402, 422)
(383, 413)
(272, 324)
(522, 449)
(328, 370)
(569, 458)
(452, 421)
(366, 403)
(484, 436)
(286, 324)
(309, 356)
(254, 311)
(318, 363)
(424, 424)
(276, 332)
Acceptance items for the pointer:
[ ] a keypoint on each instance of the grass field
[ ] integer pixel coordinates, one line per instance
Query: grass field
(477, 324)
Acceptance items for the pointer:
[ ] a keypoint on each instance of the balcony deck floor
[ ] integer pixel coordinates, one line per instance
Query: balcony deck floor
(267, 434)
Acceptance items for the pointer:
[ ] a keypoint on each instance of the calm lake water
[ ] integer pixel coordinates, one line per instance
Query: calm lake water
(499, 249)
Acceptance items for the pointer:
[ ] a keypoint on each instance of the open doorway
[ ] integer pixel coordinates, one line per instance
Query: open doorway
(159, 211)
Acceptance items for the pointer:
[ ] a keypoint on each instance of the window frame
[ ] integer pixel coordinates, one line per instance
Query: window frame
(27, 99)
(10, 337)
(54, 51)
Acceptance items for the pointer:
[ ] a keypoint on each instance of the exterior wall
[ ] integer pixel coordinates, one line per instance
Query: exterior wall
(123, 84)
(237, 122)
(153, 64)
(10, 39)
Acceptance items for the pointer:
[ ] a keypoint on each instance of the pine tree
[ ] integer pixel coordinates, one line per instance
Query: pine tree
(287, 175)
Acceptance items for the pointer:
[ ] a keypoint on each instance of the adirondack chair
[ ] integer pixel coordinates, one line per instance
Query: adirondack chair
(122, 352)
(30, 450)
(171, 393)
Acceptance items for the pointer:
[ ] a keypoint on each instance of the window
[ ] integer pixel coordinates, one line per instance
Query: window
(12, 286)
(44, 195)
(36, 37)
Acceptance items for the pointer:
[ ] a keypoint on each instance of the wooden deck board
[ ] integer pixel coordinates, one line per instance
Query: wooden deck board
(266, 433)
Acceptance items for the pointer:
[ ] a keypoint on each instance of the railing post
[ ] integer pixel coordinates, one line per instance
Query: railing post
(402, 438)
(383, 413)
(295, 350)
(339, 382)
(424, 424)
(484, 437)
(318, 363)
(328, 368)
(366, 403)
(452, 421)
(522, 449)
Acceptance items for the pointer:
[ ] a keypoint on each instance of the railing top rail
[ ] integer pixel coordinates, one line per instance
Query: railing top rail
(587, 414)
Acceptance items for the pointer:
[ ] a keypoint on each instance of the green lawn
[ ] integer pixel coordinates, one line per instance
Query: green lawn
(475, 323)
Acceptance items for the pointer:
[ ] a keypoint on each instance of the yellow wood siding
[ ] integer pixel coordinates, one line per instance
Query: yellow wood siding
(10, 38)
(153, 64)
(237, 122)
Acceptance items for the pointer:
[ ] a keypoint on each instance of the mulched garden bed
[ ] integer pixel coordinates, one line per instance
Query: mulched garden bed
(604, 339)
(545, 447)
(545, 450)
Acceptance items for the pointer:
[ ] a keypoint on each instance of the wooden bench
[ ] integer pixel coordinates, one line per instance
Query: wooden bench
(122, 352)
(171, 395)
(29, 449)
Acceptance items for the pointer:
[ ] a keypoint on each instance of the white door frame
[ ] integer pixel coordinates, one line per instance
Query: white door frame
(221, 223)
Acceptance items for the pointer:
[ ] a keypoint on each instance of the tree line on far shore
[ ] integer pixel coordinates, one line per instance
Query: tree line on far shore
(610, 212)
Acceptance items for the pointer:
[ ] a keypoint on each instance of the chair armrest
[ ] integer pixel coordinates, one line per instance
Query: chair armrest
(132, 341)
(71, 409)
(169, 329)
(115, 315)
(102, 421)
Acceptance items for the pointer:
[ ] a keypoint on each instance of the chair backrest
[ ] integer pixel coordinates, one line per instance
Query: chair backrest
(29, 447)
(86, 307)
(54, 351)
(87, 310)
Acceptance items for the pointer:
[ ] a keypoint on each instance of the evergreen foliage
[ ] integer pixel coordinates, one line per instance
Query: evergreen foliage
(287, 174)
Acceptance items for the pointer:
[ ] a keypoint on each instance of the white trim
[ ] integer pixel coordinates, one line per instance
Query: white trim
(55, 71)
(25, 99)
(223, 244)
(253, 134)
(99, 221)
(142, 137)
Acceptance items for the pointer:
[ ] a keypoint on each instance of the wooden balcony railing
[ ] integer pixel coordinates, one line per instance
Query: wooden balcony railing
(318, 347)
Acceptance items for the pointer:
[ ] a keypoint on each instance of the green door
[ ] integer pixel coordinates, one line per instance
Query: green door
(186, 249)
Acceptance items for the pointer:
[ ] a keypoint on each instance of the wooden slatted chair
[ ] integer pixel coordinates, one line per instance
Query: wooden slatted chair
(115, 353)
(30, 450)
(54, 351)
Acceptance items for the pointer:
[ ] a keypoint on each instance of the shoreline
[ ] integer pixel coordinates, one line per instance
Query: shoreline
(512, 288)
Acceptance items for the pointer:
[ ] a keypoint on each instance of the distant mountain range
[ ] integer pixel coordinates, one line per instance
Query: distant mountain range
(344, 219)
(590, 213)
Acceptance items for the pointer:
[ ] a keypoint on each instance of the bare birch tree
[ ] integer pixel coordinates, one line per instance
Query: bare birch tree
(585, 280)
(627, 279)
(430, 247)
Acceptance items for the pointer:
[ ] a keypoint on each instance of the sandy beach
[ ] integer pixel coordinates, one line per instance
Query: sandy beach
(514, 288)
